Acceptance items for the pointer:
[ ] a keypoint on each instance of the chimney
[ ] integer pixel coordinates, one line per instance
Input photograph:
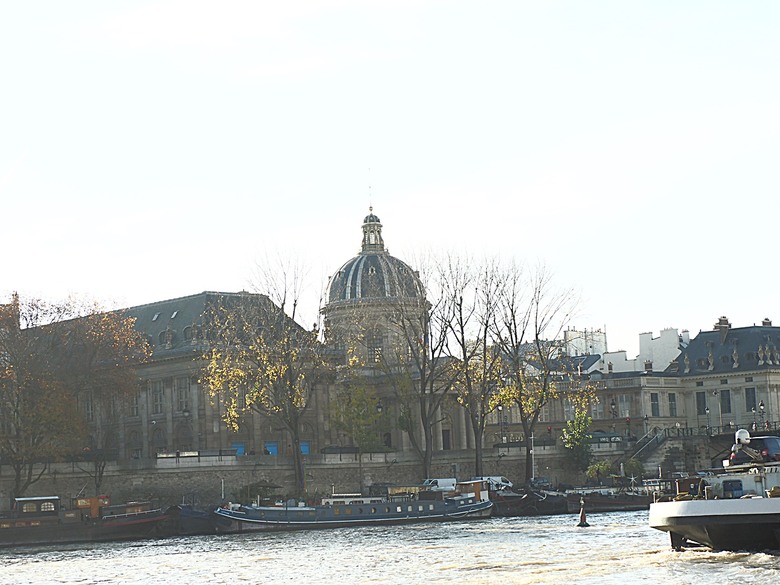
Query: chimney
(767, 322)
(648, 366)
(723, 327)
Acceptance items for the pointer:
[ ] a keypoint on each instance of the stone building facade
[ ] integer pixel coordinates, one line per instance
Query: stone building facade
(718, 380)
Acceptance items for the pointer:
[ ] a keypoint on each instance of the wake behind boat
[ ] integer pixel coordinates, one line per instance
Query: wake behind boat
(398, 505)
(736, 509)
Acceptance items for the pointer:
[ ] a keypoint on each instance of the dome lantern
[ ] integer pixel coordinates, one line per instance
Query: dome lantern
(372, 233)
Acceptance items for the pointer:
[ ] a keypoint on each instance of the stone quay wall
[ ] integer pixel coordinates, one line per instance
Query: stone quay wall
(207, 480)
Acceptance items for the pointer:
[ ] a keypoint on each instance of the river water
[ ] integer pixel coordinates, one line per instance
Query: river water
(618, 547)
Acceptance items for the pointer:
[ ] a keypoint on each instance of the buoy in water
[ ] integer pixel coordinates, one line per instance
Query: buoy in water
(583, 522)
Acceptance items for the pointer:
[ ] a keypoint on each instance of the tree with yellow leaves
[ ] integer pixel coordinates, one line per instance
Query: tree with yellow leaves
(261, 360)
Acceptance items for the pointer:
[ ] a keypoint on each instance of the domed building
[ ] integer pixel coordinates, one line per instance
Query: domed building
(367, 295)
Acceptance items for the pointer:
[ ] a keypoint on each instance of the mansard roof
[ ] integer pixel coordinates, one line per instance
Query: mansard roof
(728, 349)
(176, 327)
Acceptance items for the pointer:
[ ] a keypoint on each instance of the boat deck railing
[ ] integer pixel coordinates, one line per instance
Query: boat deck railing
(154, 512)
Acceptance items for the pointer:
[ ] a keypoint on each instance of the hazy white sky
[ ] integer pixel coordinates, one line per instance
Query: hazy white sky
(150, 150)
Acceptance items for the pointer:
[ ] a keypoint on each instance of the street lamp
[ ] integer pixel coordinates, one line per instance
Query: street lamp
(707, 412)
(755, 425)
(646, 420)
(500, 408)
(761, 408)
(613, 408)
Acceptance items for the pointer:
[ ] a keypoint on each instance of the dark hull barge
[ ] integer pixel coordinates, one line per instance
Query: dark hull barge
(43, 521)
(400, 506)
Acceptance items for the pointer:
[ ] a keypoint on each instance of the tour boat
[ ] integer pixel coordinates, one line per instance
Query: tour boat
(397, 505)
(44, 520)
(734, 509)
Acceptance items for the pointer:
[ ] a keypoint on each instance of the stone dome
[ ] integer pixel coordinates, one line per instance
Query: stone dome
(374, 274)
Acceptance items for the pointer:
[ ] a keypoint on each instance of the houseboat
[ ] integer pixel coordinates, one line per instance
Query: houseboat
(45, 520)
(397, 505)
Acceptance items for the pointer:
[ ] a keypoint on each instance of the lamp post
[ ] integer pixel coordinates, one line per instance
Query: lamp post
(755, 425)
(646, 421)
(613, 408)
(379, 409)
(707, 412)
(500, 409)
(761, 409)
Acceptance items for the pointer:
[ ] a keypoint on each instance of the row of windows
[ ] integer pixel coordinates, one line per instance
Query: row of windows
(722, 400)
(157, 397)
(724, 381)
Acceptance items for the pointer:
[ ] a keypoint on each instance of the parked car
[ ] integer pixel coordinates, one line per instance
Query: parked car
(440, 484)
(767, 446)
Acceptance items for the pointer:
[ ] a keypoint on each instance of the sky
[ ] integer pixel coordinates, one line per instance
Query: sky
(152, 150)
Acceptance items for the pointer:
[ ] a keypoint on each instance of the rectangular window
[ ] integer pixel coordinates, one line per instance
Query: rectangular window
(701, 403)
(375, 349)
(89, 409)
(446, 440)
(750, 400)
(305, 447)
(672, 404)
(725, 401)
(157, 397)
(271, 448)
(568, 409)
(134, 402)
(624, 405)
(597, 410)
(182, 394)
(655, 408)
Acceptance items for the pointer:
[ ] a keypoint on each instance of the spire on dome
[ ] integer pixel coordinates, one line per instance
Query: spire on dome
(372, 233)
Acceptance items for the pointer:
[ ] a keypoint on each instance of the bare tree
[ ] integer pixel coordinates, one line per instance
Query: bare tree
(474, 294)
(418, 368)
(532, 315)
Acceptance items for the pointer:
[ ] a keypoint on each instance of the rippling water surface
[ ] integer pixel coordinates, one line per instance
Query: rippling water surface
(616, 548)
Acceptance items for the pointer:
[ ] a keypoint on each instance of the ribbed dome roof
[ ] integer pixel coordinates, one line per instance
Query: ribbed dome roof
(374, 274)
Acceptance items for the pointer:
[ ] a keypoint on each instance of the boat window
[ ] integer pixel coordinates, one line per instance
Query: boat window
(336, 511)
(360, 510)
(29, 507)
(409, 509)
(348, 511)
(430, 506)
(47, 507)
(398, 508)
(732, 489)
(373, 510)
(419, 508)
